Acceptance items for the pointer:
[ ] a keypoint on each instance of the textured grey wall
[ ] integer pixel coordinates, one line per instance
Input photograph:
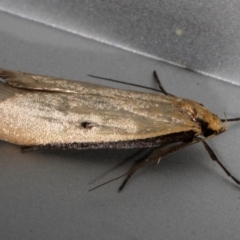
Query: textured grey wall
(201, 35)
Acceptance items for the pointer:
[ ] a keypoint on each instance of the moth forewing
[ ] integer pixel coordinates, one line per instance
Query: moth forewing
(40, 111)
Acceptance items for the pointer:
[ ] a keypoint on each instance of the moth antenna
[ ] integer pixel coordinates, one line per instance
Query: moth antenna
(230, 119)
(126, 83)
(215, 158)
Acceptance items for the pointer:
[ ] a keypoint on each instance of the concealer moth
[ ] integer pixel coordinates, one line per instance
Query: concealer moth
(40, 112)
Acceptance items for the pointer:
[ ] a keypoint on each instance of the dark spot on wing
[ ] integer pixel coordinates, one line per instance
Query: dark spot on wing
(86, 125)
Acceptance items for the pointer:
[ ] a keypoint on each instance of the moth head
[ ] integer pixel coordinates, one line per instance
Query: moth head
(210, 123)
(213, 125)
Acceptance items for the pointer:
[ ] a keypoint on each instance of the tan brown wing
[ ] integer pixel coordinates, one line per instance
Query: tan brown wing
(38, 110)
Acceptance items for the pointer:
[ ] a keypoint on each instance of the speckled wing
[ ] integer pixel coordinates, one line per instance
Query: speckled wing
(39, 110)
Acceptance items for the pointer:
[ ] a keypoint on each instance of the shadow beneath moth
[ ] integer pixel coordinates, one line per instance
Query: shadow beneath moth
(40, 112)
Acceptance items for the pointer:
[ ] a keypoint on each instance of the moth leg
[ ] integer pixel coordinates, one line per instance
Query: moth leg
(157, 79)
(215, 158)
(155, 75)
(157, 154)
(133, 169)
(30, 148)
(118, 165)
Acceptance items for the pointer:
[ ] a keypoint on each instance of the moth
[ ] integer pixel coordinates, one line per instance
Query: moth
(38, 112)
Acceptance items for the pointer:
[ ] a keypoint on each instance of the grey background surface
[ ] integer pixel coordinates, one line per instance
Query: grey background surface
(44, 194)
(202, 35)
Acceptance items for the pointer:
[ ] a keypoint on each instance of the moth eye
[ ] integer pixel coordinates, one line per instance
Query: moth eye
(86, 125)
(208, 132)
